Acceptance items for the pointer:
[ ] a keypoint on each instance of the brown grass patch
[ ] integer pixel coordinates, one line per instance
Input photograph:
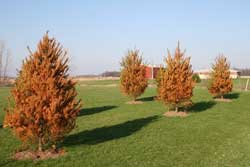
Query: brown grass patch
(223, 100)
(134, 102)
(38, 155)
(176, 114)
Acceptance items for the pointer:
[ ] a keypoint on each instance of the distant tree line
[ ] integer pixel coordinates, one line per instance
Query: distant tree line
(86, 76)
(104, 74)
(110, 74)
(244, 71)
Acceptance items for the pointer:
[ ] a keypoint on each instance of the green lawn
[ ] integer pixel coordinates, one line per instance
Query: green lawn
(112, 133)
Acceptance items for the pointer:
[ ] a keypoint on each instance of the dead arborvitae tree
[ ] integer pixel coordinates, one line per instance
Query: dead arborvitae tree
(176, 84)
(133, 78)
(221, 82)
(45, 104)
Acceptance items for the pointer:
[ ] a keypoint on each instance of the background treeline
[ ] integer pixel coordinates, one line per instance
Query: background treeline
(244, 71)
(110, 74)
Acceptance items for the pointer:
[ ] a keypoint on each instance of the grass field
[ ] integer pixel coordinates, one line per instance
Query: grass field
(112, 133)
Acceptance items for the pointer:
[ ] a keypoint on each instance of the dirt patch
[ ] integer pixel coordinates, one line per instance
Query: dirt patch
(223, 100)
(111, 85)
(152, 86)
(176, 114)
(38, 155)
(134, 102)
(83, 85)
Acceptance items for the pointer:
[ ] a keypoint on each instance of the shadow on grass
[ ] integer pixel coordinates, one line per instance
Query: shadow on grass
(151, 98)
(201, 106)
(6, 163)
(94, 110)
(103, 134)
(232, 96)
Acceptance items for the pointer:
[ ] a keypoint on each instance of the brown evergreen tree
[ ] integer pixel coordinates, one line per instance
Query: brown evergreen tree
(221, 83)
(45, 105)
(133, 79)
(176, 84)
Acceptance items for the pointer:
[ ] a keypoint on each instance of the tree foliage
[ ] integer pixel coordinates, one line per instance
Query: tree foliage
(45, 105)
(176, 84)
(244, 71)
(196, 78)
(221, 83)
(158, 79)
(133, 79)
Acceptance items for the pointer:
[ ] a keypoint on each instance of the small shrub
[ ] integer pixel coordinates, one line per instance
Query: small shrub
(196, 78)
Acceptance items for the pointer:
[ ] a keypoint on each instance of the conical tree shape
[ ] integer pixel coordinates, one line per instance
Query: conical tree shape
(221, 83)
(45, 105)
(133, 79)
(176, 84)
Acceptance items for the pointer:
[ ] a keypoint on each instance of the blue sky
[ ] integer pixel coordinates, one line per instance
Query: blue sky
(98, 33)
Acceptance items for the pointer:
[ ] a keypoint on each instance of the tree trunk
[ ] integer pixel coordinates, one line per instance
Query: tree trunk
(40, 147)
(176, 109)
(134, 99)
(221, 97)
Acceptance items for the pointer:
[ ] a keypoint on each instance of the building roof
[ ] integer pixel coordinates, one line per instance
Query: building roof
(209, 70)
(154, 65)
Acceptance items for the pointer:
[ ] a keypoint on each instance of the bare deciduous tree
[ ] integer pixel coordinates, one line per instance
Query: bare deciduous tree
(4, 62)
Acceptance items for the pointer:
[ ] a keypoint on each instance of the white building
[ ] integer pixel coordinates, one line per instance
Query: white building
(205, 73)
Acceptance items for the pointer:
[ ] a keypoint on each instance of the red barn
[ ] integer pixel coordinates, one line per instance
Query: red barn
(151, 72)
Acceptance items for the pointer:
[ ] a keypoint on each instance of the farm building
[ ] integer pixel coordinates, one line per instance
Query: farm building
(152, 71)
(205, 74)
